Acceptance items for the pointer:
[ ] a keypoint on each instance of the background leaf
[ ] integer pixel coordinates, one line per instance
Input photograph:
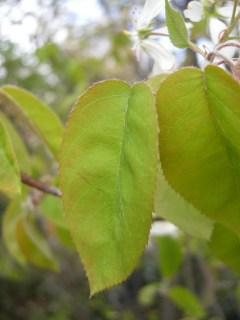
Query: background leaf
(51, 207)
(42, 119)
(176, 26)
(170, 255)
(187, 301)
(18, 145)
(10, 183)
(9, 224)
(33, 245)
(108, 175)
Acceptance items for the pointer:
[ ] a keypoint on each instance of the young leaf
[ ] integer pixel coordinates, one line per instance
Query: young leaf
(171, 206)
(108, 167)
(51, 207)
(33, 245)
(176, 27)
(199, 117)
(225, 245)
(187, 301)
(41, 118)
(10, 183)
(170, 254)
(9, 223)
(18, 145)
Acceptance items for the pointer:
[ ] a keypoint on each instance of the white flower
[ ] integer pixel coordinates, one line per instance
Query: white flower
(163, 60)
(150, 10)
(194, 11)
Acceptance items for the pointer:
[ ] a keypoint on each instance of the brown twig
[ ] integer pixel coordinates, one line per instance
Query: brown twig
(33, 183)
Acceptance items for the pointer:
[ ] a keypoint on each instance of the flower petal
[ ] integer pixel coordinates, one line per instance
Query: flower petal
(226, 10)
(150, 10)
(163, 60)
(216, 27)
(194, 11)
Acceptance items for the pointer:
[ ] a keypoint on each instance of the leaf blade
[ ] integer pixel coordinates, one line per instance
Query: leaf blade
(176, 26)
(108, 128)
(10, 182)
(171, 206)
(201, 134)
(41, 118)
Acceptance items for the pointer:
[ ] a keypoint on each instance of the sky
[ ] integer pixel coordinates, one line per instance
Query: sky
(78, 13)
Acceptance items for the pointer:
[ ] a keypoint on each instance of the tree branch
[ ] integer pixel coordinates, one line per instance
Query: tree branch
(31, 182)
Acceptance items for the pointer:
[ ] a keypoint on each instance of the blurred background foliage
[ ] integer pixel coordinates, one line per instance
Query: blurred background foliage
(56, 52)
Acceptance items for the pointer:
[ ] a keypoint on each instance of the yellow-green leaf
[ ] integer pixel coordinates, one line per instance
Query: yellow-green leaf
(41, 118)
(9, 223)
(10, 183)
(225, 245)
(171, 206)
(33, 245)
(51, 207)
(18, 145)
(199, 117)
(108, 167)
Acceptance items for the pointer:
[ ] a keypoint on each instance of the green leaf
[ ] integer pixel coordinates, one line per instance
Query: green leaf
(172, 207)
(108, 167)
(41, 118)
(187, 301)
(9, 223)
(199, 117)
(155, 82)
(18, 145)
(64, 237)
(51, 207)
(147, 294)
(170, 254)
(225, 245)
(10, 183)
(33, 245)
(176, 27)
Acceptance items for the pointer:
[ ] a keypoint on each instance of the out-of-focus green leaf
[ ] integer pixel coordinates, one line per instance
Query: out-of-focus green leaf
(64, 236)
(10, 183)
(18, 145)
(108, 174)
(33, 245)
(225, 245)
(176, 26)
(148, 293)
(9, 223)
(199, 117)
(187, 301)
(8, 268)
(51, 207)
(172, 207)
(170, 254)
(41, 118)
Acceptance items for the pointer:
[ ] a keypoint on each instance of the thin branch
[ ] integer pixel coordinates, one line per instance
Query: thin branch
(234, 11)
(36, 184)
(159, 34)
(228, 44)
(230, 28)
